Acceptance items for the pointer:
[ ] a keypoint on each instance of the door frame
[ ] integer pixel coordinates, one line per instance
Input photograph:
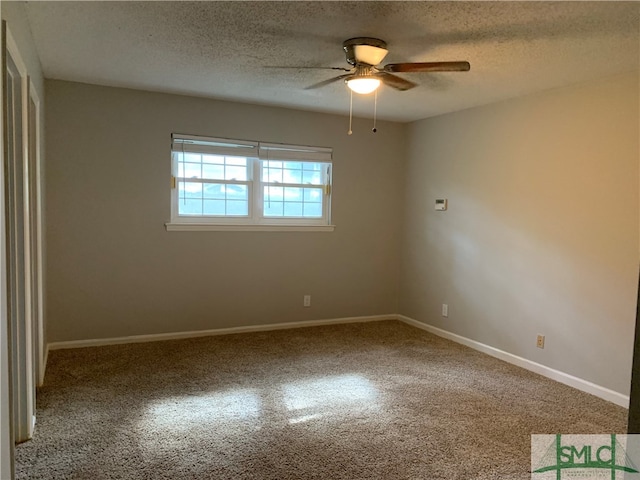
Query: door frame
(36, 236)
(22, 355)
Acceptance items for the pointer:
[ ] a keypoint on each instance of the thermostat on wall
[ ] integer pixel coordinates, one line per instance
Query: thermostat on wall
(441, 203)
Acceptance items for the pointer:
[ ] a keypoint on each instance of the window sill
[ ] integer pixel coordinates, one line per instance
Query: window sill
(212, 227)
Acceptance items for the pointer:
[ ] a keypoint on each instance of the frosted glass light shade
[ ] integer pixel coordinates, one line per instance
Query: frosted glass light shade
(369, 54)
(363, 85)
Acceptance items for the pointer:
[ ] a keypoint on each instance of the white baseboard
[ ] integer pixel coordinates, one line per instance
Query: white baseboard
(558, 376)
(98, 342)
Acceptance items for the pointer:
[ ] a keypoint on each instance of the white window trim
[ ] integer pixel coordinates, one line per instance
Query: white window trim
(254, 221)
(213, 227)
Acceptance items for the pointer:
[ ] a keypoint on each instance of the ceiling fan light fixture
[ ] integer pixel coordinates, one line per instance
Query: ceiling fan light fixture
(371, 55)
(363, 85)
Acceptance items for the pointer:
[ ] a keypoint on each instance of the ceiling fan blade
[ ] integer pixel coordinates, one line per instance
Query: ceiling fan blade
(314, 68)
(428, 67)
(327, 82)
(395, 81)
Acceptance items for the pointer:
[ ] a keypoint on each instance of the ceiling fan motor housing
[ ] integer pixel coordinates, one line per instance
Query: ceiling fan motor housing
(374, 47)
(362, 71)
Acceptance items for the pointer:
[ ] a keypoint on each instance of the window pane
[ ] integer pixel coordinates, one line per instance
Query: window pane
(236, 192)
(214, 191)
(293, 172)
(292, 176)
(213, 167)
(213, 172)
(312, 210)
(292, 202)
(273, 209)
(213, 159)
(313, 195)
(190, 207)
(221, 191)
(236, 173)
(312, 177)
(292, 209)
(273, 194)
(272, 175)
(236, 207)
(192, 170)
(189, 190)
(214, 207)
(292, 194)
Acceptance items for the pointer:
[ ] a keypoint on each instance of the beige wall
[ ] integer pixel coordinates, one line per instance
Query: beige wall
(541, 234)
(114, 271)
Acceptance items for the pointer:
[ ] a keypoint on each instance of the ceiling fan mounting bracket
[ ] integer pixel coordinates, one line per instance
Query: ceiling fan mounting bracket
(349, 50)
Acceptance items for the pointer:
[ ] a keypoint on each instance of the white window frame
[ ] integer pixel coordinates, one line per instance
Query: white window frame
(256, 153)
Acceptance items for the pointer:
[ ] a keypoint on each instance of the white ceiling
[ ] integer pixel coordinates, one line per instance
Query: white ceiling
(220, 49)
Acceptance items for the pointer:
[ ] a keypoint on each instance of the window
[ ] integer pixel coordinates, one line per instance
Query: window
(233, 184)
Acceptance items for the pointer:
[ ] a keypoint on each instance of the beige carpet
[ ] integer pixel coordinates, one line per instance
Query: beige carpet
(361, 401)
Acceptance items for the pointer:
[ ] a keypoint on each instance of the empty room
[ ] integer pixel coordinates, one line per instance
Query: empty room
(319, 240)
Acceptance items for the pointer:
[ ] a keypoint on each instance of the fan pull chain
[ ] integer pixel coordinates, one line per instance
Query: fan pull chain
(375, 111)
(350, 112)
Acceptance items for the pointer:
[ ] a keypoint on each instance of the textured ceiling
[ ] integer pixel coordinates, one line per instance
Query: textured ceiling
(221, 49)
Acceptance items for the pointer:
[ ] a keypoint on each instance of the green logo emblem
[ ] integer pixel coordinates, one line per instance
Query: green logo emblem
(555, 457)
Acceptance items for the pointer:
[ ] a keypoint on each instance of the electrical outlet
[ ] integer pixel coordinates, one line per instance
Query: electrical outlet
(540, 341)
(307, 301)
(445, 310)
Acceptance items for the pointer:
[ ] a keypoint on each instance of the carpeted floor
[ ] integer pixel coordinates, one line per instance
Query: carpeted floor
(376, 400)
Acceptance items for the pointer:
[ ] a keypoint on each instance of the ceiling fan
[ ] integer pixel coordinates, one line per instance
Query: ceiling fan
(365, 75)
